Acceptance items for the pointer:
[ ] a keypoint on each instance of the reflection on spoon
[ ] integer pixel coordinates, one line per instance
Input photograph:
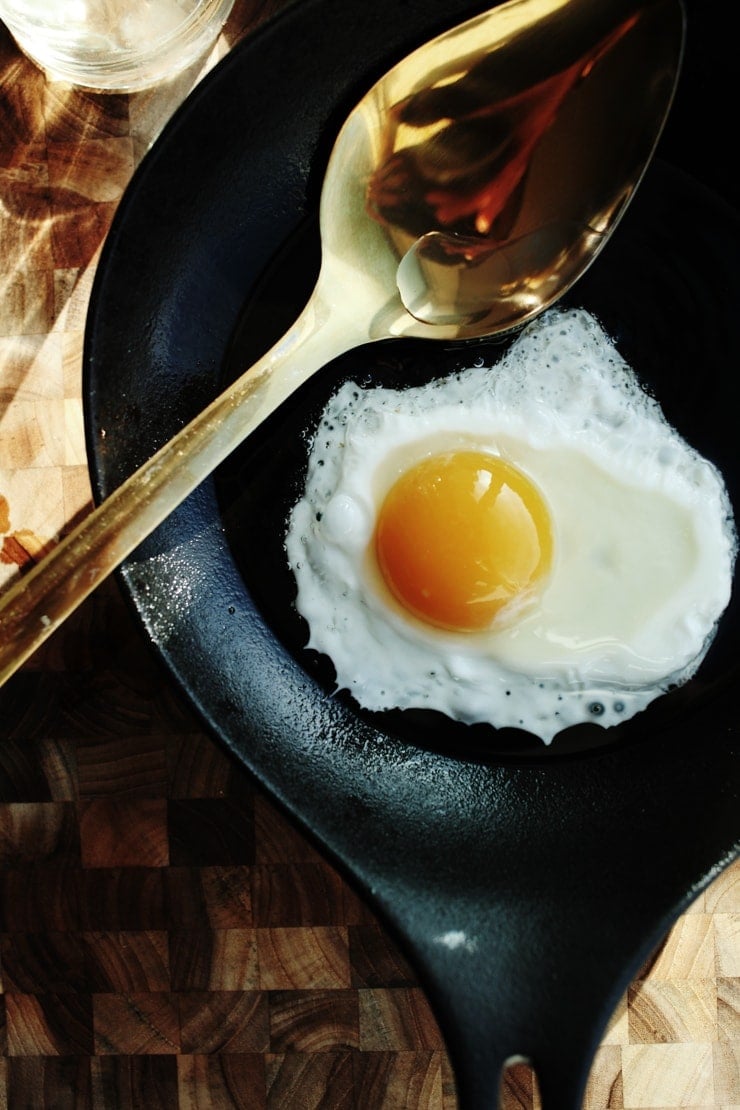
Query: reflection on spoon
(444, 279)
(487, 147)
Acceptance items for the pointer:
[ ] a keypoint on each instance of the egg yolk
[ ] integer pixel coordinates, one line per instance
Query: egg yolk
(459, 536)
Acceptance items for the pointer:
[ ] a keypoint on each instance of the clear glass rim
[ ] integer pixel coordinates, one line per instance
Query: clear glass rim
(126, 70)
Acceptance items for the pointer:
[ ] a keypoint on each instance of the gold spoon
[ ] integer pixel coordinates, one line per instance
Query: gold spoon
(466, 192)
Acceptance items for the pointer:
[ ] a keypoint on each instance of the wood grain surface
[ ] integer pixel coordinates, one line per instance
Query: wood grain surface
(167, 937)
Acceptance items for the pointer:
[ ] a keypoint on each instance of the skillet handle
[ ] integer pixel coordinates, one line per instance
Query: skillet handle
(479, 1008)
(528, 897)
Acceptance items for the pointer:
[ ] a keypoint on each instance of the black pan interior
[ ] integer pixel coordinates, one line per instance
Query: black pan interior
(667, 304)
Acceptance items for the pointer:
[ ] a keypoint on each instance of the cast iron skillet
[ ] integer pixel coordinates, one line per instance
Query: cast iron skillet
(527, 885)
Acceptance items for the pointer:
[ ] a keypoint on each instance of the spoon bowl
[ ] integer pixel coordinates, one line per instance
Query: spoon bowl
(494, 163)
(490, 166)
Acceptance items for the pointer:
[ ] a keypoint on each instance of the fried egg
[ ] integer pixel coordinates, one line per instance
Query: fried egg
(530, 544)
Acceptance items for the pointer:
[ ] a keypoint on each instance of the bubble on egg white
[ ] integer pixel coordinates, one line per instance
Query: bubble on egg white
(643, 534)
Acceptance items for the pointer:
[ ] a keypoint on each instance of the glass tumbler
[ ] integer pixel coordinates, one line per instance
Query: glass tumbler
(114, 45)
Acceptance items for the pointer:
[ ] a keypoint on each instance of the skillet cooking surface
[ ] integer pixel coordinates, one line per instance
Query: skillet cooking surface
(535, 851)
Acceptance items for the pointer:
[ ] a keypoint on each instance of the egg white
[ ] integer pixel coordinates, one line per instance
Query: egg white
(644, 539)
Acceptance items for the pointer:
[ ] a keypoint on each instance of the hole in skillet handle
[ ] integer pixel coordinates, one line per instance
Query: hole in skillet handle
(263, 479)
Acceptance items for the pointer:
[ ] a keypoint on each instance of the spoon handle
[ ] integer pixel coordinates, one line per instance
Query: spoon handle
(39, 602)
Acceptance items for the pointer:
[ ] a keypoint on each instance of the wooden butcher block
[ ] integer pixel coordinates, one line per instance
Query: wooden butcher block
(167, 938)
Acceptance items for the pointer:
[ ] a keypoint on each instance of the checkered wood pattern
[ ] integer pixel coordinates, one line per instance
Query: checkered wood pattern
(167, 937)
